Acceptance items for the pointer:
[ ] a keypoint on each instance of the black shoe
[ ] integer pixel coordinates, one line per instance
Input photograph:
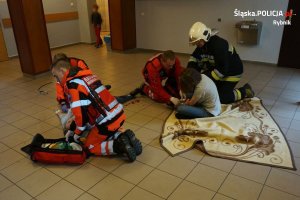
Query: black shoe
(107, 87)
(137, 91)
(249, 91)
(135, 143)
(124, 99)
(122, 146)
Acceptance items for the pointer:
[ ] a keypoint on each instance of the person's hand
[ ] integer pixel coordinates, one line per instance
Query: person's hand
(76, 138)
(68, 135)
(188, 102)
(64, 107)
(175, 101)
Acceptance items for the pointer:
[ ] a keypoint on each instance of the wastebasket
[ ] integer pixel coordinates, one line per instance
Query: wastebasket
(107, 41)
(248, 32)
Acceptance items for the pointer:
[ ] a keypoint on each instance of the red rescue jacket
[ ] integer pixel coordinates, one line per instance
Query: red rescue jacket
(154, 74)
(60, 91)
(108, 115)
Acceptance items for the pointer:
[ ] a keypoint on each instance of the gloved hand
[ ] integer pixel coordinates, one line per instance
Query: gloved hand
(175, 101)
(76, 138)
(68, 135)
(64, 107)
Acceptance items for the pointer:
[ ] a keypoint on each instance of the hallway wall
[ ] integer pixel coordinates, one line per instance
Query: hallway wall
(59, 33)
(164, 24)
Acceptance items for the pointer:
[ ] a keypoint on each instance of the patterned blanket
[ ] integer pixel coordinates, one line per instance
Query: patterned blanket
(245, 131)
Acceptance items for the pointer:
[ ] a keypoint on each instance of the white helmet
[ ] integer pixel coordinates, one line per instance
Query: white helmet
(199, 31)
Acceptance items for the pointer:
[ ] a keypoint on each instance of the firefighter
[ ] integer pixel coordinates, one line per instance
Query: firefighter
(93, 106)
(162, 67)
(218, 59)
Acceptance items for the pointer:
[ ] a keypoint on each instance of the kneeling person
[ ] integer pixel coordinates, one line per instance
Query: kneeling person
(200, 94)
(93, 106)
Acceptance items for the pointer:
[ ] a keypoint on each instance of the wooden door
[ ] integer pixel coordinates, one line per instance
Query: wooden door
(3, 51)
(289, 52)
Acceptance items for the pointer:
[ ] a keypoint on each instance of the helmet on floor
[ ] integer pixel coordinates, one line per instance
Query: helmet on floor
(199, 31)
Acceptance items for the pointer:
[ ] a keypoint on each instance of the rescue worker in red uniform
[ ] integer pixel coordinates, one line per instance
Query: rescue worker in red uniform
(218, 59)
(61, 96)
(93, 106)
(162, 67)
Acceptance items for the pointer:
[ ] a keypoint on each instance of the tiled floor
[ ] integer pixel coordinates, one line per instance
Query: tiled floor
(155, 175)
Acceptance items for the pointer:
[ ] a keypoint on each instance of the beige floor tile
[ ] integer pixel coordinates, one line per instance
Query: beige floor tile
(273, 194)
(111, 188)
(146, 135)
(250, 171)
(156, 143)
(38, 182)
(297, 164)
(219, 163)
(106, 163)
(25, 122)
(131, 126)
(177, 166)
(221, 197)
(61, 190)
(154, 110)
(2, 123)
(295, 147)
(4, 183)
(18, 147)
(14, 193)
(62, 170)
(187, 190)
(133, 172)
(295, 125)
(40, 127)
(15, 139)
(193, 154)
(20, 169)
(86, 176)
(3, 147)
(15, 116)
(7, 130)
(43, 115)
(207, 177)
(156, 125)
(284, 181)
(53, 133)
(87, 196)
(139, 119)
(54, 121)
(138, 194)
(160, 183)
(9, 157)
(33, 110)
(152, 156)
(293, 135)
(240, 188)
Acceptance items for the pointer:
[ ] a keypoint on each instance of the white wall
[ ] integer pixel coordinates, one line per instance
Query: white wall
(87, 34)
(164, 24)
(59, 33)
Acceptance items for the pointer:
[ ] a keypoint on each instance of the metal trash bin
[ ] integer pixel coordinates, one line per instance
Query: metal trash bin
(107, 41)
(248, 32)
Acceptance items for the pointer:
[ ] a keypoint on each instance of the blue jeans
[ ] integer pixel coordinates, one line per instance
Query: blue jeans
(190, 112)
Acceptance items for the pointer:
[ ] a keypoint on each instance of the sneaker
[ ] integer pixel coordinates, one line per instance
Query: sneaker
(122, 146)
(135, 143)
(249, 91)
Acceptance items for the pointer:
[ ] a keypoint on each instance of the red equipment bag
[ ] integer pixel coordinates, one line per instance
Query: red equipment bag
(53, 156)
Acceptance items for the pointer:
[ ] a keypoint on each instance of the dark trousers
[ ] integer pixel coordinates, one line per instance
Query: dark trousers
(227, 92)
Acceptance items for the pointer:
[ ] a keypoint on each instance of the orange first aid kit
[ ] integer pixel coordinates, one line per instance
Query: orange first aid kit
(38, 153)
